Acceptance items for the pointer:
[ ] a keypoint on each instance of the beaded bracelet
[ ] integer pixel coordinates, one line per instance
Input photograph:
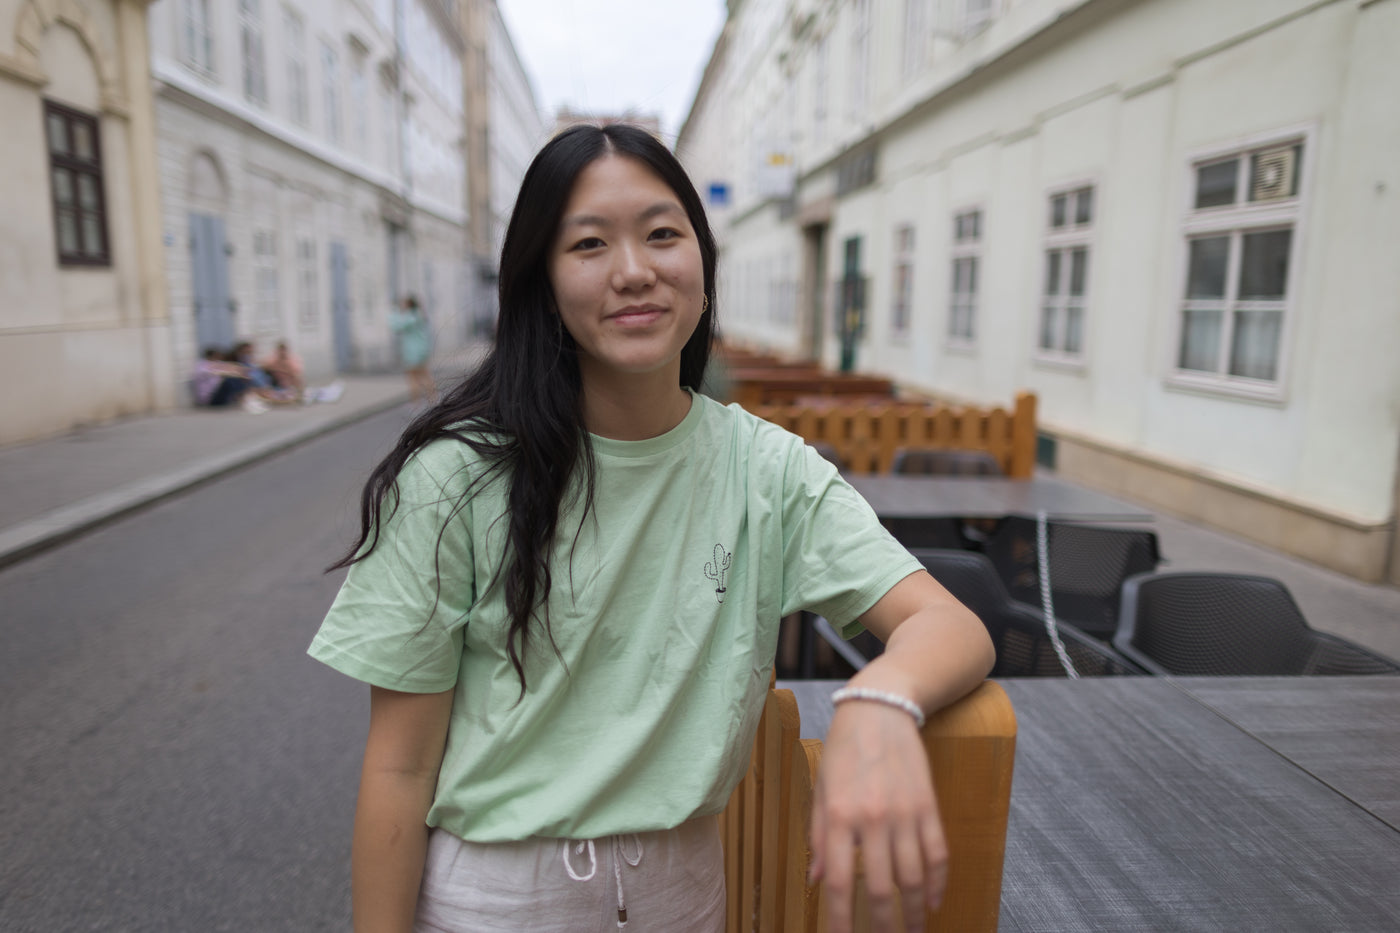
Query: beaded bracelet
(880, 696)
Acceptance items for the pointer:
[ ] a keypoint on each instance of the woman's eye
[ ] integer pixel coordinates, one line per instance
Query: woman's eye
(664, 233)
(591, 242)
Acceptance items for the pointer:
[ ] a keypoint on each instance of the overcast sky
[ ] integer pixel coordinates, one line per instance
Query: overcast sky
(606, 56)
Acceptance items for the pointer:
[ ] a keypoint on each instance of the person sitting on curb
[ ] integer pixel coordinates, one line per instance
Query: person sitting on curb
(285, 368)
(219, 383)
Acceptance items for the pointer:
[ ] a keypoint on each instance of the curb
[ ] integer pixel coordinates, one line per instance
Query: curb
(54, 527)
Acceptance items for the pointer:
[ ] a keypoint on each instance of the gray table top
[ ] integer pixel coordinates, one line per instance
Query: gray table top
(893, 496)
(1135, 806)
(1344, 731)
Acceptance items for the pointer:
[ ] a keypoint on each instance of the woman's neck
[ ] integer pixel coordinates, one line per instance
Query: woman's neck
(634, 407)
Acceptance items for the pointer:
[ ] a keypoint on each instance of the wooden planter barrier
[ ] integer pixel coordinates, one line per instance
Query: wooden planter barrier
(866, 434)
(971, 747)
(752, 387)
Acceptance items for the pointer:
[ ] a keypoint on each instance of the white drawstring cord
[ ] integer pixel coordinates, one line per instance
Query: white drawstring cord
(592, 861)
(619, 856)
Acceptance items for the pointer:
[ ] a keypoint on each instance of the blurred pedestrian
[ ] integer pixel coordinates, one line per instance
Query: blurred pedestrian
(286, 370)
(566, 592)
(415, 338)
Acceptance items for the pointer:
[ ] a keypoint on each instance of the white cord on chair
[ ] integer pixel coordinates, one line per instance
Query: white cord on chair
(1042, 547)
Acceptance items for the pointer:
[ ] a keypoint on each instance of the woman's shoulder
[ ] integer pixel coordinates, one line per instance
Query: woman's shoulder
(461, 454)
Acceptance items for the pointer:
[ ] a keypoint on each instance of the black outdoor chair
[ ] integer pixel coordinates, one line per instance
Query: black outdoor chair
(828, 453)
(923, 461)
(1088, 564)
(1231, 625)
(1023, 646)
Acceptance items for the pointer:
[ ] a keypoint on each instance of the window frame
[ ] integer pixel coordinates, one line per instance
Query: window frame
(1065, 241)
(196, 32)
(1235, 220)
(77, 167)
(330, 92)
(252, 37)
(961, 250)
(298, 73)
(905, 252)
(308, 282)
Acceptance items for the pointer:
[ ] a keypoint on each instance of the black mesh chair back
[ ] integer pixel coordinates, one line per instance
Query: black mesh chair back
(945, 462)
(1088, 564)
(1231, 625)
(1023, 646)
(931, 532)
(828, 453)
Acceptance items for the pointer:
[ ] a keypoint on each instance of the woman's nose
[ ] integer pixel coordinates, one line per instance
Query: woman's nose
(633, 268)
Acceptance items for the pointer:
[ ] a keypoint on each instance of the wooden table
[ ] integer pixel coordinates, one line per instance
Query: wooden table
(1137, 806)
(896, 496)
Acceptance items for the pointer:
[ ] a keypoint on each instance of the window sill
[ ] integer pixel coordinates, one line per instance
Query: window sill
(958, 347)
(1046, 359)
(1221, 387)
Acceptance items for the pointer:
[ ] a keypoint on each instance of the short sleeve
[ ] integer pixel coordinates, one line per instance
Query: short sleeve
(398, 619)
(838, 560)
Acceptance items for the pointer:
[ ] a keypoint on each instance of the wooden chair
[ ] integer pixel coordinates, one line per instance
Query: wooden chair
(971, 747)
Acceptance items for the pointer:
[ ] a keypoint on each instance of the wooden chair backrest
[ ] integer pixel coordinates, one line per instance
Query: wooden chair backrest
(971, 748)
(866, 434)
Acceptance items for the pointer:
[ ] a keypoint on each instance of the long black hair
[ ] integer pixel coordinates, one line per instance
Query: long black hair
(523, 404)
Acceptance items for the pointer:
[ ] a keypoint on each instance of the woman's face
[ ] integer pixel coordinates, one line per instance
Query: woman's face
(626, 270)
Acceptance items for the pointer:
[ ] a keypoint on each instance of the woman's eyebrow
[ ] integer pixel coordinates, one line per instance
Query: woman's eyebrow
(595, 220)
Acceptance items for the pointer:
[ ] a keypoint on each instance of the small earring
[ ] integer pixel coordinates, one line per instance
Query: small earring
(704, 303)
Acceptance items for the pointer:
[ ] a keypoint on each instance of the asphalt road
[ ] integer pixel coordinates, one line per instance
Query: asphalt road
(170, 758)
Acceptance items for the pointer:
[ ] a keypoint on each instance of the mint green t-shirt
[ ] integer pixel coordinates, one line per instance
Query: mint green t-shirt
(664, 611)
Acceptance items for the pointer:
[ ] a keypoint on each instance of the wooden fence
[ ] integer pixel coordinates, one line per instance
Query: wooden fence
(971, 748)
(865, 435)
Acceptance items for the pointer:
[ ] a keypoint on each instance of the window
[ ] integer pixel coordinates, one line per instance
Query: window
(269, 313)
(915, 36)
(75, 174)
(1239, 243)
(197, 36)
(977, 14)
(1066, 273)
(820, 69)
(967, 249)
(294, 36)
(330, 79)
(903, 282)
(254, 60)
(306, 286)
(359, 102)
(859, 82)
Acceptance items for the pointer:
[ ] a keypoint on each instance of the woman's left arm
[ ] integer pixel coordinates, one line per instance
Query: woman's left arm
(874, 789)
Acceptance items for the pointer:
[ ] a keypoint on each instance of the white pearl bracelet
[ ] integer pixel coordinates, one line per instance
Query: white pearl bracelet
(880, 696)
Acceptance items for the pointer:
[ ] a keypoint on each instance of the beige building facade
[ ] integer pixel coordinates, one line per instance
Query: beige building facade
(84, 326)
(1174, 221)
(313, 167)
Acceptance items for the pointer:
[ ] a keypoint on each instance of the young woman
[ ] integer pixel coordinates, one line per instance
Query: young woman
(415, 339)
(566, 597)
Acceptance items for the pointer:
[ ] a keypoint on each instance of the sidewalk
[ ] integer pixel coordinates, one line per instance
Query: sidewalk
(56, 489)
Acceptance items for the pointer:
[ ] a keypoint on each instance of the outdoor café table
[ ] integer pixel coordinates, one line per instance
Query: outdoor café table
(897, 496)
(1135, 806)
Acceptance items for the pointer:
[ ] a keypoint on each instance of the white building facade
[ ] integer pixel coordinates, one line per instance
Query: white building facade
(1174, 221)
(313, 167)
(84, 331)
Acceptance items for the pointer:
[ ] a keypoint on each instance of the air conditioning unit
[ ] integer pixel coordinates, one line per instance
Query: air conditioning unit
(1274, 174)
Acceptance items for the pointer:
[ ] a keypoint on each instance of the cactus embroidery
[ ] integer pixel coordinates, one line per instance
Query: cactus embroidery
(718, 570)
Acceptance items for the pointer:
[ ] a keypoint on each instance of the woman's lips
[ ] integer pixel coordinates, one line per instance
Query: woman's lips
(635, 317)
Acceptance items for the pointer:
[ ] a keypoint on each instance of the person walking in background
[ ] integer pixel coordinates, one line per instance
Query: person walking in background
(415, 338)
